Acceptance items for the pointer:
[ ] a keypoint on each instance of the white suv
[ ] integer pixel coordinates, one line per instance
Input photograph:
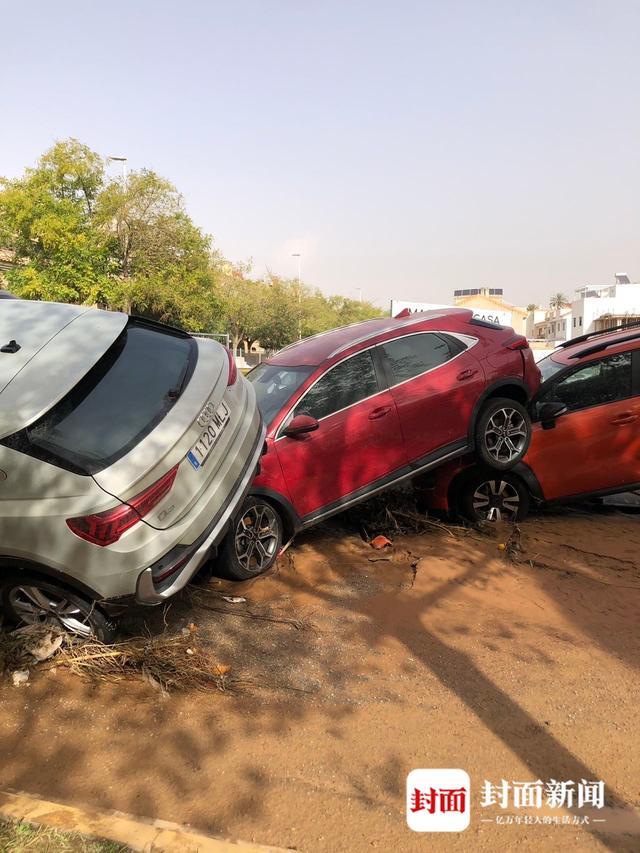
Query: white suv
(126, 447)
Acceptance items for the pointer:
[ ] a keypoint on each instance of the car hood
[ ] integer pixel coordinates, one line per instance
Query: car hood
(58, 344)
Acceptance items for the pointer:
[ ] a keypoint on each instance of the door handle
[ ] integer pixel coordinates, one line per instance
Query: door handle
(624, 418)
(466, 374)
(380, 412)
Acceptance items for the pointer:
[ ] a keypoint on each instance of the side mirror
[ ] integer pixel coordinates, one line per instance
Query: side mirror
(300, 425)
(550, 411)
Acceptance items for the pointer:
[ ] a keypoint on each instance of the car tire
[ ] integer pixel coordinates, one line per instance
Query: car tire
(494, 496)
(28, 599)
(253, 542)
(503, 433)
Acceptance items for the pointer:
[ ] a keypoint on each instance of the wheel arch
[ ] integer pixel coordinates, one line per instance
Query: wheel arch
(522, 471)
(290, 518)
(29, 567)
(510, 387)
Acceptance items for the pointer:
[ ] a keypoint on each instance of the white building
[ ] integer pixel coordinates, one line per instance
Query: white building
(594, 308)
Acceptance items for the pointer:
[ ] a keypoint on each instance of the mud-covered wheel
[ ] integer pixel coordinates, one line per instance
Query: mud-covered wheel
(503, 433)
(253, 543)
(494, 497)
(30, 600)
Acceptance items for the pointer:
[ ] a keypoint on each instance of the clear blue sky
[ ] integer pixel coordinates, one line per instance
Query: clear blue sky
(406, 148)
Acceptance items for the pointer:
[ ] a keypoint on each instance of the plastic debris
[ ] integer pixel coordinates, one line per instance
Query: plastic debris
(20, 676)
(233, 599)
(380, 542)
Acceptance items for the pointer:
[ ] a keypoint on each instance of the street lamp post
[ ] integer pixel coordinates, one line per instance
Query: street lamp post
(299, 257)
(122, 160)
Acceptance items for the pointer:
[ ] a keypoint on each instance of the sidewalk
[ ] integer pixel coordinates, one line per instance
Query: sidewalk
(137, 833)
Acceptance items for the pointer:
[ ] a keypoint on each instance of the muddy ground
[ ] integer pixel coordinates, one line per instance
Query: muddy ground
(440, 652)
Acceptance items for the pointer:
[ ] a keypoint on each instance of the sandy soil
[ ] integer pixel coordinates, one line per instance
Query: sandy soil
(446, 654)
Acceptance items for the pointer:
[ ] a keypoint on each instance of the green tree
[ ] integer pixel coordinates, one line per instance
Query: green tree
(531, 307)
(79, 237)
(558, 301)
(46, 218)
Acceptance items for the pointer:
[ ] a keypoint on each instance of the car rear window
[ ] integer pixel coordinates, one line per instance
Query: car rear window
(122, 398)
(412, 355)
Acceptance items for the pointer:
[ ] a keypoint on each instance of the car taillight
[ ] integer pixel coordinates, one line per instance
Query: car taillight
(105, 528)
(233, 370)
(519, 342)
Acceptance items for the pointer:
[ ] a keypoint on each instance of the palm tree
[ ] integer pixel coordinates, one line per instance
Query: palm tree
(531, 307)
(558, 301)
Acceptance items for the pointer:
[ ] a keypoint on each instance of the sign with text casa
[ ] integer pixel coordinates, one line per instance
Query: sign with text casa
(493, 316)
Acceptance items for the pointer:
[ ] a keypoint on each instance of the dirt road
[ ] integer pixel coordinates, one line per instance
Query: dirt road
(438, 653)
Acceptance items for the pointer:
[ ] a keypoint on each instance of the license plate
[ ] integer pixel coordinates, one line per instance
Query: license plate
(204, 445)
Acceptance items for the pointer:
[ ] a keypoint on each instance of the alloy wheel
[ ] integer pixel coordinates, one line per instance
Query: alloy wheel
(506, 435)
(34, 606)
(496, 500)
(256, 537)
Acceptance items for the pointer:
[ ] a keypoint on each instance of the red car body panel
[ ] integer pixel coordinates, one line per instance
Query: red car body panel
(589, 451)
(390, 434)
(359, 445)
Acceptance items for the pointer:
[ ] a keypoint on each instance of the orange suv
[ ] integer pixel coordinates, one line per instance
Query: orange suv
(585, 440)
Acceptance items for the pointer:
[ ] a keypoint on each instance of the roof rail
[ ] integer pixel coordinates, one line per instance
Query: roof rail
(602, 345)
(404, 321)
(586, 337)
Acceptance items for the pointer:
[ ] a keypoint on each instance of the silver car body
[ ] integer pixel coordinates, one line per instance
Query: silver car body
(59, 346)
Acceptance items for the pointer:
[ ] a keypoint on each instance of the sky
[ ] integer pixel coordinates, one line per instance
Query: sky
(402, 148)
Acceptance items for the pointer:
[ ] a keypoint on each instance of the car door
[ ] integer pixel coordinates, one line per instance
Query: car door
(595, 446)
(435, 381)
(358, 441)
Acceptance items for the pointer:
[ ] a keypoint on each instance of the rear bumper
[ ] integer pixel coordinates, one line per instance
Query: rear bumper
(147, 592)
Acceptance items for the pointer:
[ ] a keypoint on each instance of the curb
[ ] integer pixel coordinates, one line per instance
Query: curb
(140, 834)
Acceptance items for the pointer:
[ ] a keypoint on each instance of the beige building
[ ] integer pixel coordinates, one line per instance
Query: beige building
(488, 303)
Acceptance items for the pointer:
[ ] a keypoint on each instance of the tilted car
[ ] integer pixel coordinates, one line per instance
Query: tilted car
(361, 408)
(126, 447)
(585, 441)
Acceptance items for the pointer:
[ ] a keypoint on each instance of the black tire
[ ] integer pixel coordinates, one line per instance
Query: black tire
(23, 597)
(494, 496)
(503, 433)
(246, 554)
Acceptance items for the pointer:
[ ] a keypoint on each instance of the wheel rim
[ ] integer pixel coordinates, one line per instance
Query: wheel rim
(505, 435)
(34, 606)
(257, 538)
(496, 500)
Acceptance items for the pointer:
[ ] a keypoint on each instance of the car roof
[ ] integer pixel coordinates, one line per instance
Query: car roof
(597, 343)
(318, 348)
(55, 346)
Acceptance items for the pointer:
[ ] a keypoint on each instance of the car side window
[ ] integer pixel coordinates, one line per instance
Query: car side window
(595, 384)
(349, 382)
(412, 355)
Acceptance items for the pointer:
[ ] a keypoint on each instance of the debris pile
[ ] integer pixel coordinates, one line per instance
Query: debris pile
(166, 662)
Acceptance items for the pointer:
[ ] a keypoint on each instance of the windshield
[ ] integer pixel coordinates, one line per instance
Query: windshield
(549, 367)
(275, 385)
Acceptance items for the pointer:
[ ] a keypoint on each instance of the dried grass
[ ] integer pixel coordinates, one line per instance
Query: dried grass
(396, 512)
(169, 663)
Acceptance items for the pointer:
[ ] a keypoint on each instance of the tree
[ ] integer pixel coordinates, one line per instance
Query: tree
(280, 313)
(531, 307)
(161, 262)
(46, 218)
(558, 301)
(240, 302)
(79, 237)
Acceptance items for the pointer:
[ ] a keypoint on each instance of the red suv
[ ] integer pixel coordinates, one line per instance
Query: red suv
(358, 409)
(585, 440)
